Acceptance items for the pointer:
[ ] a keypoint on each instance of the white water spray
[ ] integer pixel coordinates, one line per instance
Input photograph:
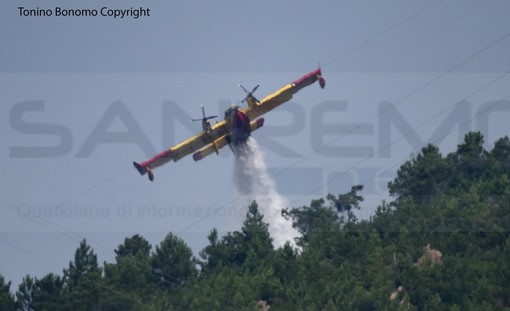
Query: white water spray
(252, 182)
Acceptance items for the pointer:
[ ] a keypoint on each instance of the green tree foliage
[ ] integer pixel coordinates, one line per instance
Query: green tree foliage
(133, 247)
(85, 262)
(316, 217)
(173, 262)
(346, 203)
(85, 288)
(252, 243)
(7, 301)
(132, 271)
(25, 294)
(442, 243)
(48, 293)
(421, 178)
(82, 279)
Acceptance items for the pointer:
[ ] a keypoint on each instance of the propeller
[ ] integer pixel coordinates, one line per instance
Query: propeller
(204, 118)
(248, 94)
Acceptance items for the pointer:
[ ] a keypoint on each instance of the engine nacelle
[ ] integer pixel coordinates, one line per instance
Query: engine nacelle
(256, 124)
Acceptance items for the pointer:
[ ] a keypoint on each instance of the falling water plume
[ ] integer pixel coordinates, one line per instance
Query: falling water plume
(253, 183)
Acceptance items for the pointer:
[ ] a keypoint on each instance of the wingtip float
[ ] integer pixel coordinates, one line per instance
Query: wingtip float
(236, 127)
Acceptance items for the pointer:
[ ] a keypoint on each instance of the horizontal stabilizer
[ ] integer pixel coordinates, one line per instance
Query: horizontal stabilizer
(142, 170)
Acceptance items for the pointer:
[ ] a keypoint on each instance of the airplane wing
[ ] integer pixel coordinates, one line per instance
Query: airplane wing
(258, 108)
(183, 149)
(207, 142)
(223, 141)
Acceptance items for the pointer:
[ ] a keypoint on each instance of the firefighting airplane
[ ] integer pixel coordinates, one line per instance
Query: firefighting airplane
(234, 129)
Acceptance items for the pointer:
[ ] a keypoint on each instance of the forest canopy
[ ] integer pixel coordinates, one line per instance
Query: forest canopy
(441, 242)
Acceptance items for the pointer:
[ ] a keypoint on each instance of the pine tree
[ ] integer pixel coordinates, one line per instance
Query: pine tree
(6, 298)
(133, 246)
(132, 270)
(422, 177)
(256, 233)
(83, 283)
(48, 293)
(85, 262)
(346, 203)
(173, 263)
(25, 294)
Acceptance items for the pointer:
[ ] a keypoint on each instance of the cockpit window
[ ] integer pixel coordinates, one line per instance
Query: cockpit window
(230, 110)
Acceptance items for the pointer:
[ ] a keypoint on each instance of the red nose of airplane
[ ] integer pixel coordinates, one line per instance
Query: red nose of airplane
(241, 127)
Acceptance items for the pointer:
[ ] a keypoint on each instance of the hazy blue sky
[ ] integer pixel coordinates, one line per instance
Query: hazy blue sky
(83, 97)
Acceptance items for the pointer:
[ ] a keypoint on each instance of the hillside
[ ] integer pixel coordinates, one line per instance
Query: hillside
(442, 243)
